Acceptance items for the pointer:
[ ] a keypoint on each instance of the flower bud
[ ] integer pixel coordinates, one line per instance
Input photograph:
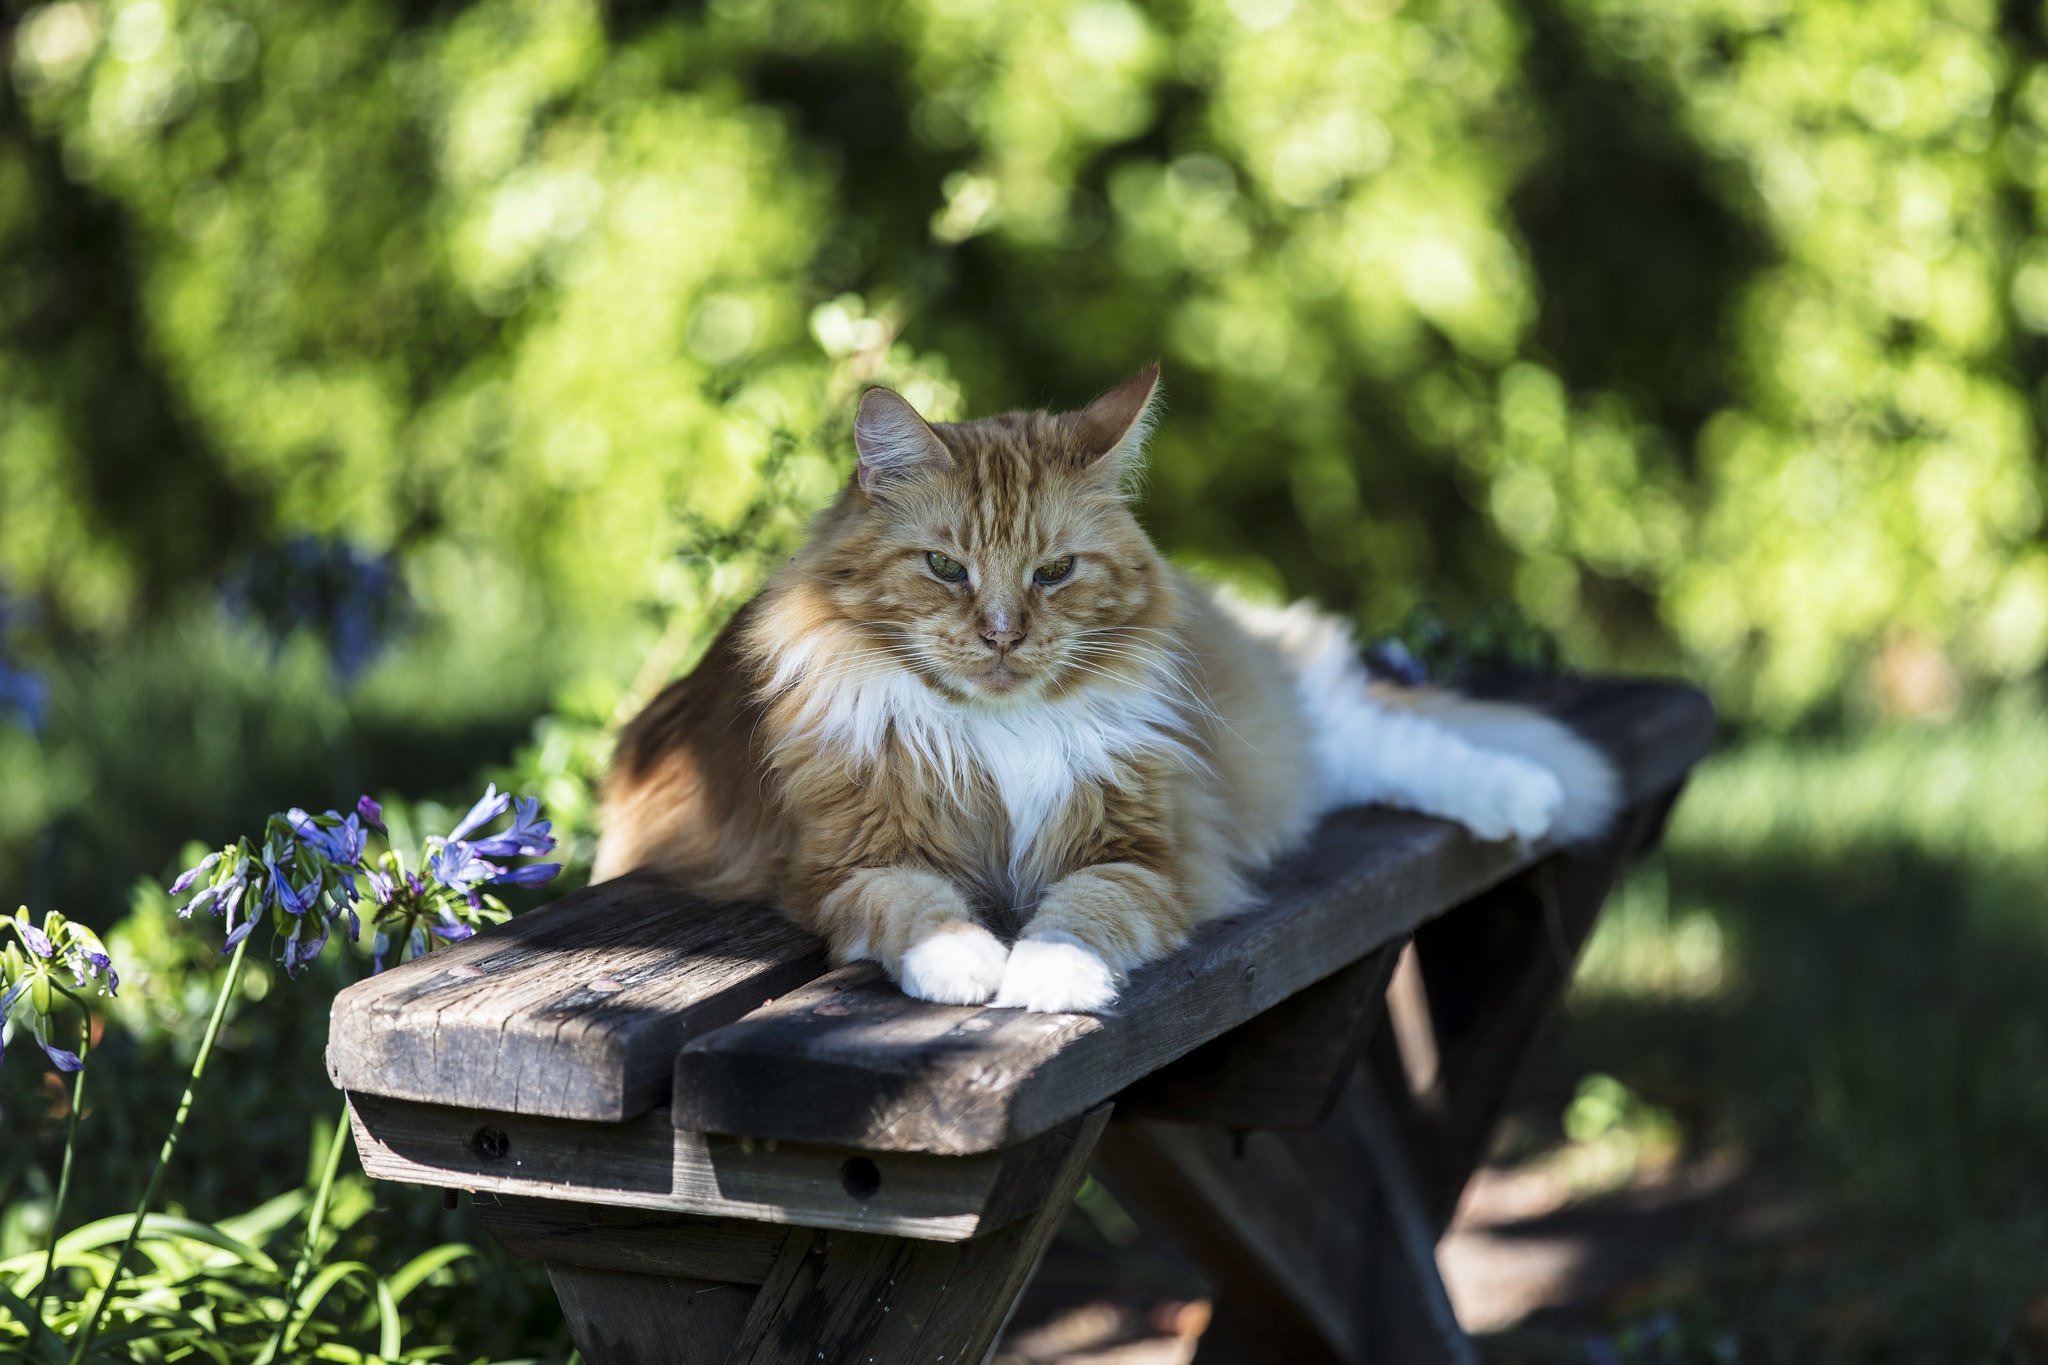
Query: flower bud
(39, 993)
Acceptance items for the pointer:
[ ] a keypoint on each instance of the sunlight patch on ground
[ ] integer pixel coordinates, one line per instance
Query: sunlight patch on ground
(1974, 788)
(1643, 950)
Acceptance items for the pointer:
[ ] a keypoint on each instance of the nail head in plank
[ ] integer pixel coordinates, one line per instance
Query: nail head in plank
(574, 1010)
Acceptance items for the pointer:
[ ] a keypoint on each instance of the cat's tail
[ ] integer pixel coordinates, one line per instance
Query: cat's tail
(1499, 768)
(1592, 787)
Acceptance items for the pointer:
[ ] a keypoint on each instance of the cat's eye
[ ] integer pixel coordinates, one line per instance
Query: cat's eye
(1053, 570)
(952, 570)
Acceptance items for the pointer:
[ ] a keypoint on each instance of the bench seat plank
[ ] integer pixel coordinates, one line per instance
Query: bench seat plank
(848, 1060)
(573, 1010)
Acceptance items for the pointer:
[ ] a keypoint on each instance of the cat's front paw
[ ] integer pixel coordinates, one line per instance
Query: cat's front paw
(956, 966)
(1056, 974)
(1519, 800)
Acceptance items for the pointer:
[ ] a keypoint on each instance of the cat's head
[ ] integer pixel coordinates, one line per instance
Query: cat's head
(999, 558)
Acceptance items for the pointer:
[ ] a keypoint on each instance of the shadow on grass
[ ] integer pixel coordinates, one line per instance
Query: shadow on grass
(1881, 1060)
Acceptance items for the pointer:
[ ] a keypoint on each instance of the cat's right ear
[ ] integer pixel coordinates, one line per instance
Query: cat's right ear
(894, 442)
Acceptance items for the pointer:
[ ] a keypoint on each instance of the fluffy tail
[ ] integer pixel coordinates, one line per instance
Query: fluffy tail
(1592, 788)
(1498, 768)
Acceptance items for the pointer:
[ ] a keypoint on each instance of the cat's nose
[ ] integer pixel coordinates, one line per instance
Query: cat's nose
(1002, 640)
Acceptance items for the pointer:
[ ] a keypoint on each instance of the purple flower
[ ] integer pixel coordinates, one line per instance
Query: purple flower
(228, 904)
(372, 813)
(533, 874)
(193, 874)
(38, 943)
(489, 807)
(62, 1058)
(298, 953)
(339, 843)
(452, 929)
(382, 888)
(7, 1000)
(458, 867)
(528, 836)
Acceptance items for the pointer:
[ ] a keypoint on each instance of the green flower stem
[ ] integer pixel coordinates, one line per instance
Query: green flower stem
(163, 1159)
(70, 1145)
(287, 1332)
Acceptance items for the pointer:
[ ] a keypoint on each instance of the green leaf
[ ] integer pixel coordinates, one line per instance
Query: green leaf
(414, 1272)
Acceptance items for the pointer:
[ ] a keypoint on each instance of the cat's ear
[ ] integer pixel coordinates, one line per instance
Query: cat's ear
(1110, 432)
(894, 442)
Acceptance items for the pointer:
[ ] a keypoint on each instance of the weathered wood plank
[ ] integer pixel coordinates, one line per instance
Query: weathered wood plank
(847, 1297)
(617, 1318)
(646, 1163)
(574, 1010)
(638, 1241)
(848, 1060)
(1282, 1070)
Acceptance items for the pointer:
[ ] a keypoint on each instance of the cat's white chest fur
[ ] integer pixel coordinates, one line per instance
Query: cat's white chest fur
(1035, 752)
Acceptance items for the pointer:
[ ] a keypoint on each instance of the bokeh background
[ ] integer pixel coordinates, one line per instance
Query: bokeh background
(397, 392)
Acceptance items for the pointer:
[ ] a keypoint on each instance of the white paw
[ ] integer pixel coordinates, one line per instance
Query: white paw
(955, 967)
(1519, 799)
(1056, 974)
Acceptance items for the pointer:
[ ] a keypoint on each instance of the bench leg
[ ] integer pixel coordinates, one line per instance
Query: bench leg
(639, 1288)
(618, 1317)
(1318, 1242)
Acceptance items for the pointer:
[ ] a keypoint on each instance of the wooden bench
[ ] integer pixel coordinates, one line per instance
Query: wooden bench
(726, 1151)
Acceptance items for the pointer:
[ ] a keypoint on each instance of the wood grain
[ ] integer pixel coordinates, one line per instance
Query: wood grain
(851, 1297)
(639, 1241)
(618, 1318)
(1280, 1071)
(574, 1010)
(646, 1163)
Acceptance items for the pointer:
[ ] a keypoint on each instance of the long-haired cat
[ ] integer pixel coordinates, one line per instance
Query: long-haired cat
(979, 702)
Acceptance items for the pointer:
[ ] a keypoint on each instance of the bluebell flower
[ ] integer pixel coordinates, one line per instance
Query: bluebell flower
(372, 813)
(350, 598)
(458, 866)
(533, 874)
(451, 928)
(25, 695)
(7, 999)
(38, 942)
(528, 837)
(29, 990)
(489, 807)
(194, 873)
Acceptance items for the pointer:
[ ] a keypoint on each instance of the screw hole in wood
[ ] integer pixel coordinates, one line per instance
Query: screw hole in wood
(491, 1144)
(860, 1178)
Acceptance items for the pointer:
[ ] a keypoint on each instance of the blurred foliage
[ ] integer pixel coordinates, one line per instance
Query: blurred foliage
(1705, 331)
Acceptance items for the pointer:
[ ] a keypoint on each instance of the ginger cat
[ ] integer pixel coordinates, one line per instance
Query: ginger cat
(979, 700)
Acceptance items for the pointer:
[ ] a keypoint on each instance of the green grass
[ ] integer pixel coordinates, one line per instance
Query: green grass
(1838, 968)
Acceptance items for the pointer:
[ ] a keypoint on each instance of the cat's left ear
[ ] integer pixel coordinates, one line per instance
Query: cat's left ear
(895, 444)
(1110, 432)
